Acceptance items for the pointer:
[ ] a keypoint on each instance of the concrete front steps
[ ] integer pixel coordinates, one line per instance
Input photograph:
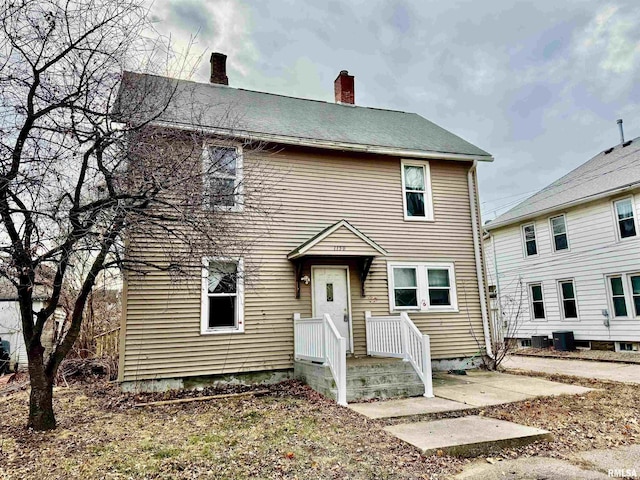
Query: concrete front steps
(367, 378)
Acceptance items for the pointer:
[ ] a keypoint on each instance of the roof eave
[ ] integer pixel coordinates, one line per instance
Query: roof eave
(608, 193)
(326, 144)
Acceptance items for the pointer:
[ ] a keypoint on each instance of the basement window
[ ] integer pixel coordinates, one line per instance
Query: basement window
(222, 296)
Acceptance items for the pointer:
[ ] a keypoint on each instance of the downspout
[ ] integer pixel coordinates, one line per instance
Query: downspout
(473, 203)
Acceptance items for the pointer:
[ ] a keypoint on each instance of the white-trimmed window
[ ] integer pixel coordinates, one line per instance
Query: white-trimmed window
(559, 233)
(529, 238)
(416, 191)
(222, 174)
(625, 218)
(568, 299)
(618, 298)
(222, 309)
(624, 295)
(537, 301)
(405, 287)
(420, 286)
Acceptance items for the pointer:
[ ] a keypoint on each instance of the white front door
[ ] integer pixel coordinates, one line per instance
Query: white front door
(331, 295)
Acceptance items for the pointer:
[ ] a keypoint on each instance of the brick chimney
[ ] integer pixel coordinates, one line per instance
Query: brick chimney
(344, 88)
(219, 69)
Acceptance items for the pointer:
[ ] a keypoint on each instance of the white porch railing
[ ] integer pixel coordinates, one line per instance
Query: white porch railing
(397, 336)
(318, 340)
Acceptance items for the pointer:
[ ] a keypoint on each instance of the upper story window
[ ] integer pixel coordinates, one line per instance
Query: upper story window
(222, 168)
(625, 217)
(568, 297)
(416, 186)
(537, 301)
(422, 286)
(530, 244)
(559, 233)
(222, 296)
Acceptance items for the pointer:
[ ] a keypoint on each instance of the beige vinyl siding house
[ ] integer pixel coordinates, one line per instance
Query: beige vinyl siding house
(582, 254)
(334, 212)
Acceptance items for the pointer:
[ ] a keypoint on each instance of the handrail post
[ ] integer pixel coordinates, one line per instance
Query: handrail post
(342, 380)
(427, 374)
(367, 331)
(404, 337)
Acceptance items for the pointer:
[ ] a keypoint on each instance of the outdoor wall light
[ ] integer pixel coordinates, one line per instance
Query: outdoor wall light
(306, 280)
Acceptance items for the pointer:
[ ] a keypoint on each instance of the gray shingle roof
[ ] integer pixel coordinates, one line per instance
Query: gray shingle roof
(278, 117)
(604, 173)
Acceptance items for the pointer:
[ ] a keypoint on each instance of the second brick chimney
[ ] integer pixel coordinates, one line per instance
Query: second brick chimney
(219, 69)
(344, 88)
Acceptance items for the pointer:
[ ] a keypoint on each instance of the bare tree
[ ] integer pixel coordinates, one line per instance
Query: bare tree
(82, 166)
(510, 312)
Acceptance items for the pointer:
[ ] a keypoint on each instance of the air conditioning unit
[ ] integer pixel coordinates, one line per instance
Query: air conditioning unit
(540, 341)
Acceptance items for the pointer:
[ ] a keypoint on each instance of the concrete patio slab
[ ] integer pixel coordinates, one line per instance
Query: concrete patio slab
(529, 385)
(617, 372)
(466, 436)
(407, 406)
(479, 395)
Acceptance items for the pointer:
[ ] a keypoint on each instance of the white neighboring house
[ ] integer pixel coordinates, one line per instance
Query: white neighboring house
(575, 248)
(11, 325)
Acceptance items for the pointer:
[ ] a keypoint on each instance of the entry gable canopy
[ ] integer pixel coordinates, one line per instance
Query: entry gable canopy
(339, 239)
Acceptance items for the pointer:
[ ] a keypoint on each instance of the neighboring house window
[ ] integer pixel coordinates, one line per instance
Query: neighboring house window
(568, 297)
(559, 232)
(537, 301)
(222, 178)
(625, 218)
(635, 293)
(624, 291)
(416, 186)
(405, 287)
(422, 286)
(530, 245)
(222, 296)
(617, 297)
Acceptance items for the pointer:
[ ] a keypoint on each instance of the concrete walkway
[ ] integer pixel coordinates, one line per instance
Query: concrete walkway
(593, 464)
(467, 435)
(617, 372)
(462, 392)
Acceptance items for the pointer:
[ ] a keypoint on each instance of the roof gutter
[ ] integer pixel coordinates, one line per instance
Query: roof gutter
(327, 144)
(609, 193)
(473, 203)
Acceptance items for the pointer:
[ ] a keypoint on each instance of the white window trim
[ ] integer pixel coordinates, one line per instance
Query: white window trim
(561, 299)
(239, 178)
(428, 196)
(423, 286)
(553, 236)
(204, 298)
(627, 288)
(544, 306)
(524, 239)
(617, 223)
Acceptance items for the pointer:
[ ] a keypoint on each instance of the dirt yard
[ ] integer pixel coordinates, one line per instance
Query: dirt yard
(290, 432)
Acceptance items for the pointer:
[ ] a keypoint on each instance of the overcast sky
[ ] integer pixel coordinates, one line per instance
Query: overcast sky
(537, 84)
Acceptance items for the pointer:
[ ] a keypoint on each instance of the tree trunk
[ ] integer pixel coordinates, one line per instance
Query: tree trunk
(41, 415)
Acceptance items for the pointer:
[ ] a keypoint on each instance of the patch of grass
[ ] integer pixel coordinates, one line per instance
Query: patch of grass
(166, 452)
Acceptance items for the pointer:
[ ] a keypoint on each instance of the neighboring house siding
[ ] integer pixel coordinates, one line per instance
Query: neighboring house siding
(594, 252)
(162, 331)
(11, 330)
